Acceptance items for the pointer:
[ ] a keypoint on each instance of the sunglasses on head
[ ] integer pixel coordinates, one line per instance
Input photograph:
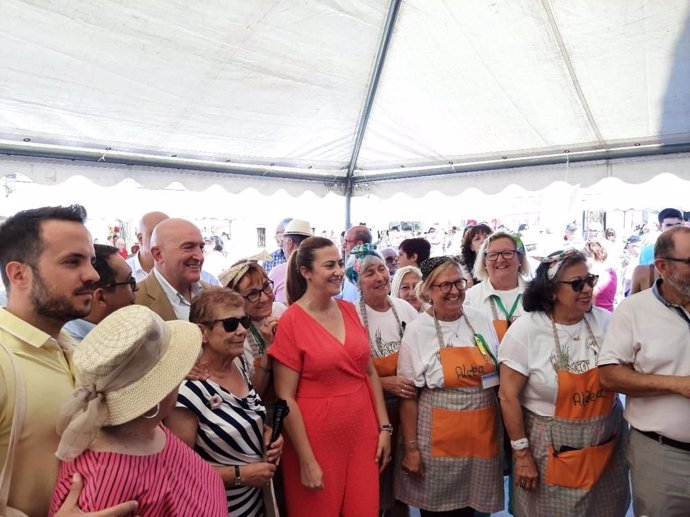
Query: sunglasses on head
(579, 284)
(231, 324)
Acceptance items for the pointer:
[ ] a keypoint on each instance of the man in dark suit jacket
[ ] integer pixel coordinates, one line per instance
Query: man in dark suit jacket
(177, 247)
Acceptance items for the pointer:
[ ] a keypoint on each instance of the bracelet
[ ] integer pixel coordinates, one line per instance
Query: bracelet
(410, 444)
(386, 427)
(519, 445)
(238, 478)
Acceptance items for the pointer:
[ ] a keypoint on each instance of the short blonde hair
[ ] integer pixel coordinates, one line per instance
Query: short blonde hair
(480, 271)
(423, 287)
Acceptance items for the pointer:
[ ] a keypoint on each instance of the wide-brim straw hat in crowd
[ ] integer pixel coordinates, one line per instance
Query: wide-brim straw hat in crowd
(149, 356)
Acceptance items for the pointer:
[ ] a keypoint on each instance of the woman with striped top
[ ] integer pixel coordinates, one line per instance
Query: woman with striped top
(222, 417)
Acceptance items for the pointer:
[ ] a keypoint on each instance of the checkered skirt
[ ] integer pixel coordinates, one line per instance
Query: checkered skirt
(452, 483)
(609, 497)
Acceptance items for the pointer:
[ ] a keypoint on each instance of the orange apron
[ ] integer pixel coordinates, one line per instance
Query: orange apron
(500, 325)
(468, 433)
(385, 358)
(386, 366)
(580, 397)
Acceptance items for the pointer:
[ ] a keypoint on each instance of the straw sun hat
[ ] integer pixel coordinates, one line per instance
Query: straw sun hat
(151, 355)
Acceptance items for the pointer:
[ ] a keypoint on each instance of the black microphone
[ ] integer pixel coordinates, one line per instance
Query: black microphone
(280, 411)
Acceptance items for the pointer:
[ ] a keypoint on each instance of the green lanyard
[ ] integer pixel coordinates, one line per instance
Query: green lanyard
(259, 339)
(496, 300)
(479, 340)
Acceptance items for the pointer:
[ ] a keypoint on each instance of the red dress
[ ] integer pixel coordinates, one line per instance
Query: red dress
(335, 400)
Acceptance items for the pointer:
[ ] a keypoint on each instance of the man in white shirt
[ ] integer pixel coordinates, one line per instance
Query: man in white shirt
(646, 355)
(142, 261)
(295, 232)
(177, 247)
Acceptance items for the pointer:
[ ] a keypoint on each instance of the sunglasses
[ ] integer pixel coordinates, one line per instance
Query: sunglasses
(579, 284)
(131, 282)
(231, 324)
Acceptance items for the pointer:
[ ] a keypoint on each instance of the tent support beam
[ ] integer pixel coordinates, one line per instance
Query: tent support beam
(530, 161)
(96, 156)
(571, 70)
(386, 36)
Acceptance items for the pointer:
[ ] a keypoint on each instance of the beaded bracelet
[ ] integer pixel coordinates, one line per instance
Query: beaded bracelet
(519, 445)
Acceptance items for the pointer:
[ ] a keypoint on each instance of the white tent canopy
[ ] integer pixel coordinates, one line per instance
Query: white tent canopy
(350, 95)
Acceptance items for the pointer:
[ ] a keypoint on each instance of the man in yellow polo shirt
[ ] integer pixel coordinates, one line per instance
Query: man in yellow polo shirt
(46, 257)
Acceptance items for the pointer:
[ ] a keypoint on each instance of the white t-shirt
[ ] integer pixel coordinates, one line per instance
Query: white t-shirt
(384, 333)
(479, 296)
(419, 360)
(528, 348)
(251, 348)
(654, 339)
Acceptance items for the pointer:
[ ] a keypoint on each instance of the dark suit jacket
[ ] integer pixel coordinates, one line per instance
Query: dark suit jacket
(150, 293)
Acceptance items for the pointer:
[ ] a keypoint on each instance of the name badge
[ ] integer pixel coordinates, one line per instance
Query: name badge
(490, 380)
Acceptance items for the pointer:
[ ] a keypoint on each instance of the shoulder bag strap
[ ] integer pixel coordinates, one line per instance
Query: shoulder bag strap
(17, 424)
(651, 275)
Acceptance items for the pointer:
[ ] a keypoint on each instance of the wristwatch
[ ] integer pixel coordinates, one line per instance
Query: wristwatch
(238, 478)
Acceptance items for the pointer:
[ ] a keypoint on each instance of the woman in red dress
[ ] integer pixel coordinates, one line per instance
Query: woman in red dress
(338, 430)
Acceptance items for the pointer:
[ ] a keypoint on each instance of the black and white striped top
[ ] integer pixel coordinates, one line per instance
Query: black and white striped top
(230, 433)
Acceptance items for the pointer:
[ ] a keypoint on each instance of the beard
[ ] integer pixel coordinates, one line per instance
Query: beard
(680, 284)
(55, 306)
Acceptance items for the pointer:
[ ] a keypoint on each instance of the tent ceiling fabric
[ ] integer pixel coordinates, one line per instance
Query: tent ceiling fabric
(282, 85)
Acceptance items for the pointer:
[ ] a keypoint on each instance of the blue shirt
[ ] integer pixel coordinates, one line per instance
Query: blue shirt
(647, 255)
(78, 329)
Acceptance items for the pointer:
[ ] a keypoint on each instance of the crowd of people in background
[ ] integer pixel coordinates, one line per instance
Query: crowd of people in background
(409, 371)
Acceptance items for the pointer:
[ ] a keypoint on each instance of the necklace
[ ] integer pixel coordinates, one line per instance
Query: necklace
(561, 359)
(477, 339)
(578, 335)
(316, 312)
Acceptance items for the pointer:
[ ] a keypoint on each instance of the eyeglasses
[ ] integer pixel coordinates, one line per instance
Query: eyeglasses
(492, 256)
(447, 287)
(231, 324)
(255, 294)
(685, 261)
(579, 284)
(131, 282)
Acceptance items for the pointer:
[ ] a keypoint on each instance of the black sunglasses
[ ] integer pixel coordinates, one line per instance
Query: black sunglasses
(231, 324)
(579, 284)
(131, 282)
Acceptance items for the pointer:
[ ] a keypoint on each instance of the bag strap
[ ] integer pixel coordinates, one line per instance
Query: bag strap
(651, 275)
(17, 424)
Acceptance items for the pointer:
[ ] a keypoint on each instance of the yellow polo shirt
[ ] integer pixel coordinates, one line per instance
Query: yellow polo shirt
(45, 366)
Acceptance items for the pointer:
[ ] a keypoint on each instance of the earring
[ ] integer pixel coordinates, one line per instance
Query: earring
(158, 408)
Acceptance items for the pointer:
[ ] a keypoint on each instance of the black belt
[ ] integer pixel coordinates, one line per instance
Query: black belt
(665, 441)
